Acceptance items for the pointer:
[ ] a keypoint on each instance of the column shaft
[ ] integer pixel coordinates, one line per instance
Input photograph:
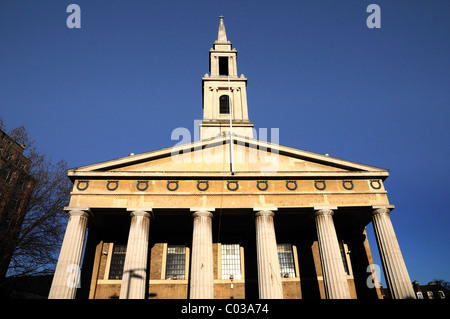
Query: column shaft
(269, 278)
(135, 266)
(66, 277)
(334, 276)
(397, 277)
(202, 269)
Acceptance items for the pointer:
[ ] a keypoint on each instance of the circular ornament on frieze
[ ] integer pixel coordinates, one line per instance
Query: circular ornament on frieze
(142, 185)
(375, 184)
(320, 185)
(112, 185)
(202, 185)
(82, 185)
(291, 185)
(172, 185)
(262, 185)
(347, 185)
(232, 185)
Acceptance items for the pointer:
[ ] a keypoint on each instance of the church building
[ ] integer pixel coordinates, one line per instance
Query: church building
(227, 216)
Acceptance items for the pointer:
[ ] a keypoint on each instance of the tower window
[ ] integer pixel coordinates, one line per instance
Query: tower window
(224, 104)
(223, 65)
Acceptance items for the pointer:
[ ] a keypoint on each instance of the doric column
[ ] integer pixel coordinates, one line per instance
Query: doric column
(397, 276)
(269, 278)
(202, 269)
(135, 266)
(334, 276)
(66, 277)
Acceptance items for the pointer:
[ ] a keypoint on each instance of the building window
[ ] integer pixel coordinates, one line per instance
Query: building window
(430, 295)
(117, 261)
(344, 257)
(224, 104)
(286, 260)
(231, 261)
(176, 262)
(7, 174)
(223, 65)
(441, 294)
(419, 295)
(16, 205)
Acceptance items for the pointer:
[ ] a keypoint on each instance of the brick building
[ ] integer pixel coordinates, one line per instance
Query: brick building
(227, 216)
(16, 187)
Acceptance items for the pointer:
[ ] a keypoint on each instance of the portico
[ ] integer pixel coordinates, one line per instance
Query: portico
(180, 223)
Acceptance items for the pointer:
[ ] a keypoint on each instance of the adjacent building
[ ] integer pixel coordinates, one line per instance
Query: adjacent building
(16, 187)
(227, 216)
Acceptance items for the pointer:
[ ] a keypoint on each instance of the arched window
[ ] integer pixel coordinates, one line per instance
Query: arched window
(224, 104)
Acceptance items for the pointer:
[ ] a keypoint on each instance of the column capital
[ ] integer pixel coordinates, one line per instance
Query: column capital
(78, 211)
(141, 211)
(265, 211)
(382, 209)
(324, 210)
(269, 209)
(202, 214)
(202, 211)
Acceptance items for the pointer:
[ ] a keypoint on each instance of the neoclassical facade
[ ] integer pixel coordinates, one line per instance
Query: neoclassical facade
(227, 216)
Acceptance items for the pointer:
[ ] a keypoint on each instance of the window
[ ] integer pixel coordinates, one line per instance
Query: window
(224, 104)
(344, 257)
(430, 295)
(117, 261)
(176, 262)
(7, 174)
(231, 261)
(441, 294)
(286, 259)
(16, 204)
(419, 295)
(223, 65)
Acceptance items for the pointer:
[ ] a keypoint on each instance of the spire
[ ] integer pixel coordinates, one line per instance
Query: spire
(222, 36)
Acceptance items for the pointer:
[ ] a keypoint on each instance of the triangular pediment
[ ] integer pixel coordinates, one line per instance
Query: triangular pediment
(212, 156)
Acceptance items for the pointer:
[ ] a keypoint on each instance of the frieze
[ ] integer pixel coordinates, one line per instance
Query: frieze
(235, 186)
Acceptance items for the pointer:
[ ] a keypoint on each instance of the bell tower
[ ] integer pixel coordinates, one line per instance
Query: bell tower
(224, 93)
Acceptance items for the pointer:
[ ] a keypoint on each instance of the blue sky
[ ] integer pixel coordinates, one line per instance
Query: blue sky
(132, 74)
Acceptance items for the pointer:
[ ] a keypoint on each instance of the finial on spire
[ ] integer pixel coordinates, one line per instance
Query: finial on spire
(222, 36)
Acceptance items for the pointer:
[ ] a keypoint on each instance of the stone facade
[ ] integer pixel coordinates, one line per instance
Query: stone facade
(231, 216)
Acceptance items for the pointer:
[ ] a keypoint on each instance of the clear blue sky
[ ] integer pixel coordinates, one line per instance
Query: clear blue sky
(132, 74)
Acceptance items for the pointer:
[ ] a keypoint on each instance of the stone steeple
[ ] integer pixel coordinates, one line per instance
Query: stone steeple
(224, 93)
(222, 36)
